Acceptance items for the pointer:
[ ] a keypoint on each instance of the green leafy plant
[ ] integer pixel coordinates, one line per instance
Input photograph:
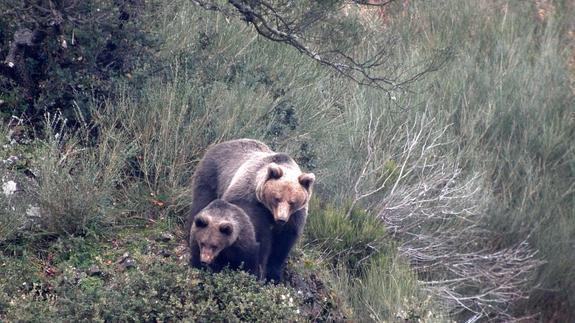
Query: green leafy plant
(348, 240)
(375, 281)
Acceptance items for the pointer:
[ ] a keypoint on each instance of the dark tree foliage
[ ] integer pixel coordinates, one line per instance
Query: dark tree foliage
(56, 55)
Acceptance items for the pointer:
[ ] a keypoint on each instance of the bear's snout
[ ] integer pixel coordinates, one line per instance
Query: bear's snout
(207, 255)
(281, 213)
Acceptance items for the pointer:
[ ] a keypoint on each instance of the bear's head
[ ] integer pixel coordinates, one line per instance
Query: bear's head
(285, 191)
(214, 229)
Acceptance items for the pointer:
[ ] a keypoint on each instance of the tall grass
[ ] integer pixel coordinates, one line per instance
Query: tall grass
(507, 94)
(497, 120)
(66, 182)
(77, 184)
(387, 291)
(224, 84)
(218, 81)
(502, 105)
(367, 269)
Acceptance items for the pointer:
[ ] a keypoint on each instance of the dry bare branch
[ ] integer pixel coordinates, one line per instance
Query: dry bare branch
(438, 214)
(312, 28)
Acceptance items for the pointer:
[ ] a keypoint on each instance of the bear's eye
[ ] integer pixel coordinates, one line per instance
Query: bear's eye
(201, 223)
(226, 229)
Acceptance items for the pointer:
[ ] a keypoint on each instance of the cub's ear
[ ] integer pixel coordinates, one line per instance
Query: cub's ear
(306, 180)
(201, 222)
(226, 229)
(275, 171)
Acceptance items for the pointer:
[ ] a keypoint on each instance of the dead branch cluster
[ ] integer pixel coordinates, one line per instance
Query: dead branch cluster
(438, 214)
(316, 30)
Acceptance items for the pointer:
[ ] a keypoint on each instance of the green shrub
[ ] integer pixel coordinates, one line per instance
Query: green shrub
(76, 53)
(12, 212)
(387, 290)
(10, 222)
(366, 269)
(501, 108)
(77, 184)
(347, 240)
(157, 293)
(16, 204)
(59, 283)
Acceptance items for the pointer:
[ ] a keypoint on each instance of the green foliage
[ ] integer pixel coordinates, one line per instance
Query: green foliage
(13, 199)
(505, 99)
(347, 239)
(78, 50)
(367, 270)
(216, 84)
(58, 284)
(75, 251)
(309, 274)
(387, 291)
(76, 185)
(160, 291)
(63, 187)
(10, 222)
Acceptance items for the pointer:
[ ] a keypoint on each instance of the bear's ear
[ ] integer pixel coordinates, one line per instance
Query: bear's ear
(226, 229)
(201, 222)
(306, 180)
(275, 171)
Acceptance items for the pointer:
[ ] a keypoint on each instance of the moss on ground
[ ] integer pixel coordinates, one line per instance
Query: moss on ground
(141, 274)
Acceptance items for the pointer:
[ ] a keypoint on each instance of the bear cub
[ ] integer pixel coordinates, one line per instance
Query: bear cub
(222, 235)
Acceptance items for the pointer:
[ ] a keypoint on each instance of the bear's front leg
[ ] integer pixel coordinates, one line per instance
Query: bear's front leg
(283, 241)
(262, 220)
(195, 256)
(252, 263)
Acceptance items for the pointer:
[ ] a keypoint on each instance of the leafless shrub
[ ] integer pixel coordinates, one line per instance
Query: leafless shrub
(437, 212)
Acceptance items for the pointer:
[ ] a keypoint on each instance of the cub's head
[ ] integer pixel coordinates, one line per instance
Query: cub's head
(215, 229)
(285, 191)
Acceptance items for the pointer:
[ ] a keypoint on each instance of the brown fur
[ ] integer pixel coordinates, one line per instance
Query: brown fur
(270, 187)
(222, 235)
(283, 197)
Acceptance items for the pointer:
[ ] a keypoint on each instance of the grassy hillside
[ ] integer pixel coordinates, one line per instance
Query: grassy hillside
(451, 198)
(508, 95)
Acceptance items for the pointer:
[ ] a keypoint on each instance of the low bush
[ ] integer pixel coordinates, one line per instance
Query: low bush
(159, 292)
(367, 270)
(134, 274)
(77, 183)
(67, 187)
(348, 240)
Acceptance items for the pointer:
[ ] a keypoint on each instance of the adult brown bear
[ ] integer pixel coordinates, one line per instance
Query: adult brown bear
(270, 187)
